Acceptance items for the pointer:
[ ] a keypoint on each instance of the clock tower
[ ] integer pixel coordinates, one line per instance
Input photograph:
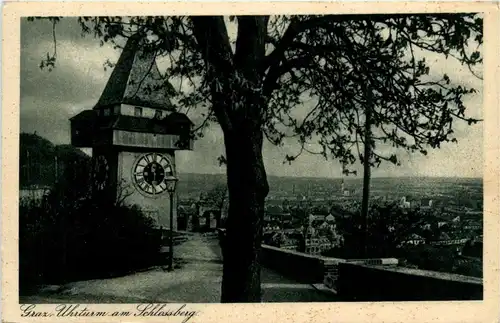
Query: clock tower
(134, 132)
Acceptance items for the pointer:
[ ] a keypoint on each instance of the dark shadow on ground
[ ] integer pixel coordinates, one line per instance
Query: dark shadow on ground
(197, 280)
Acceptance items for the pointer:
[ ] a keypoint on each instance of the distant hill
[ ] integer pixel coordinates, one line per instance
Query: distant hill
(37, 160)
(38, 167)
(465, 191)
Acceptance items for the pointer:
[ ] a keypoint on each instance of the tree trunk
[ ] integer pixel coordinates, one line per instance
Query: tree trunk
(366, 184)
(195, 221)
(219, 213)
(217, 220)
(248, 188)
(238, 103)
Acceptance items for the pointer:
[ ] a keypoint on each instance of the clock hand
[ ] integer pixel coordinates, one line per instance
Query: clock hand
(153, 169)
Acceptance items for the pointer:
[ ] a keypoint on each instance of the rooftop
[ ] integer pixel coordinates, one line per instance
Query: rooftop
(174, 123)
(136, 80)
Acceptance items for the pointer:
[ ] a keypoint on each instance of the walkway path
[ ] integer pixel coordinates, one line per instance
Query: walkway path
(197, 281)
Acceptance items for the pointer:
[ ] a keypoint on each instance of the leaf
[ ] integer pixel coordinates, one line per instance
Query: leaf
(446, 78)
(393, 159)
(222, 160)
(327, 67)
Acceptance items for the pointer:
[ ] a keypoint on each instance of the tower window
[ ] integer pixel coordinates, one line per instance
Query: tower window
(138, 112)
(116, 109)
(106, 112)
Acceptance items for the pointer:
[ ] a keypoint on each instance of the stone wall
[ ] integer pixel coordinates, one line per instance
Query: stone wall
(307, 268)
(361, 282)
(371, 279)
(303, 268)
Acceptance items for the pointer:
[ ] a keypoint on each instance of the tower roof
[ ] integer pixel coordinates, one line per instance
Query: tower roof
(134, 78)
(174, 123)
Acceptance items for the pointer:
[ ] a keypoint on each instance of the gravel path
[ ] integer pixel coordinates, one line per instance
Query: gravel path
(197, 281)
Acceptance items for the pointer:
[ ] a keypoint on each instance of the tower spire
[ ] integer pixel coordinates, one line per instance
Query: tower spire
(136, 79)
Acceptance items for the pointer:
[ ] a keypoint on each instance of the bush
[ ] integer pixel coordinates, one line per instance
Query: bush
(388, 226)
(71, 236)
(440, 258)
(473, 267)
(429, 257)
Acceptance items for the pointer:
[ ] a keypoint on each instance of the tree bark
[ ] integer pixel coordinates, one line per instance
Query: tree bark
(248, 188)
(365, 204)
(238, 103)
(220, 207)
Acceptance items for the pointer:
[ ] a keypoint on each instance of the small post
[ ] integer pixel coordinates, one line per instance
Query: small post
(171, 251)
(171, 181)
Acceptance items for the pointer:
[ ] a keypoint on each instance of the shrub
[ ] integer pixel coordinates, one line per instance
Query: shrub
(388, 226)
(473, 267)
(429, 257)
(71, 236)
(440, 258)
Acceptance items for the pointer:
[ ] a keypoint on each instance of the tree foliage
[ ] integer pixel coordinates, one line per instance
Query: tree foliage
(43, 163)
(335, 65)
(217, 197)
(69, 235)
(388, 228)
(311, 78)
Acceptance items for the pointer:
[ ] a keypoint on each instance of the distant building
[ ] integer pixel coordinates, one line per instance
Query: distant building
(427, 203)
(473, 225)
(442, 223)
(35, 193)
(457, 241)
(404, 203)
(310, 231)
(414, 239)
(316, 245)
(447, 240)
(316, 218)
(345, 191)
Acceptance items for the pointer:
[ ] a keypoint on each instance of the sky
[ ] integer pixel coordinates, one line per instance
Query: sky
(49, 99)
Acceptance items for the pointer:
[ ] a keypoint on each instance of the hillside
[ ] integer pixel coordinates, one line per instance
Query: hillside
(37, 160)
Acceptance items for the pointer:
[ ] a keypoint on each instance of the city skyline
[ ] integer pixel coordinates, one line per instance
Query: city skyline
(48, 100)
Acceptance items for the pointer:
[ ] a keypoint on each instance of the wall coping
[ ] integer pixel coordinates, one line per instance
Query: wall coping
(292, 252)
(425, 273)
(325, 259)
(387, 267)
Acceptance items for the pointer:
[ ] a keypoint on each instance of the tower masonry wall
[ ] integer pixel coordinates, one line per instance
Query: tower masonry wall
(158, 206)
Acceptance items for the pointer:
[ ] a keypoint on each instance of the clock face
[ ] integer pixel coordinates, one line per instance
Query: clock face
(101, 169)
(149, 173)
